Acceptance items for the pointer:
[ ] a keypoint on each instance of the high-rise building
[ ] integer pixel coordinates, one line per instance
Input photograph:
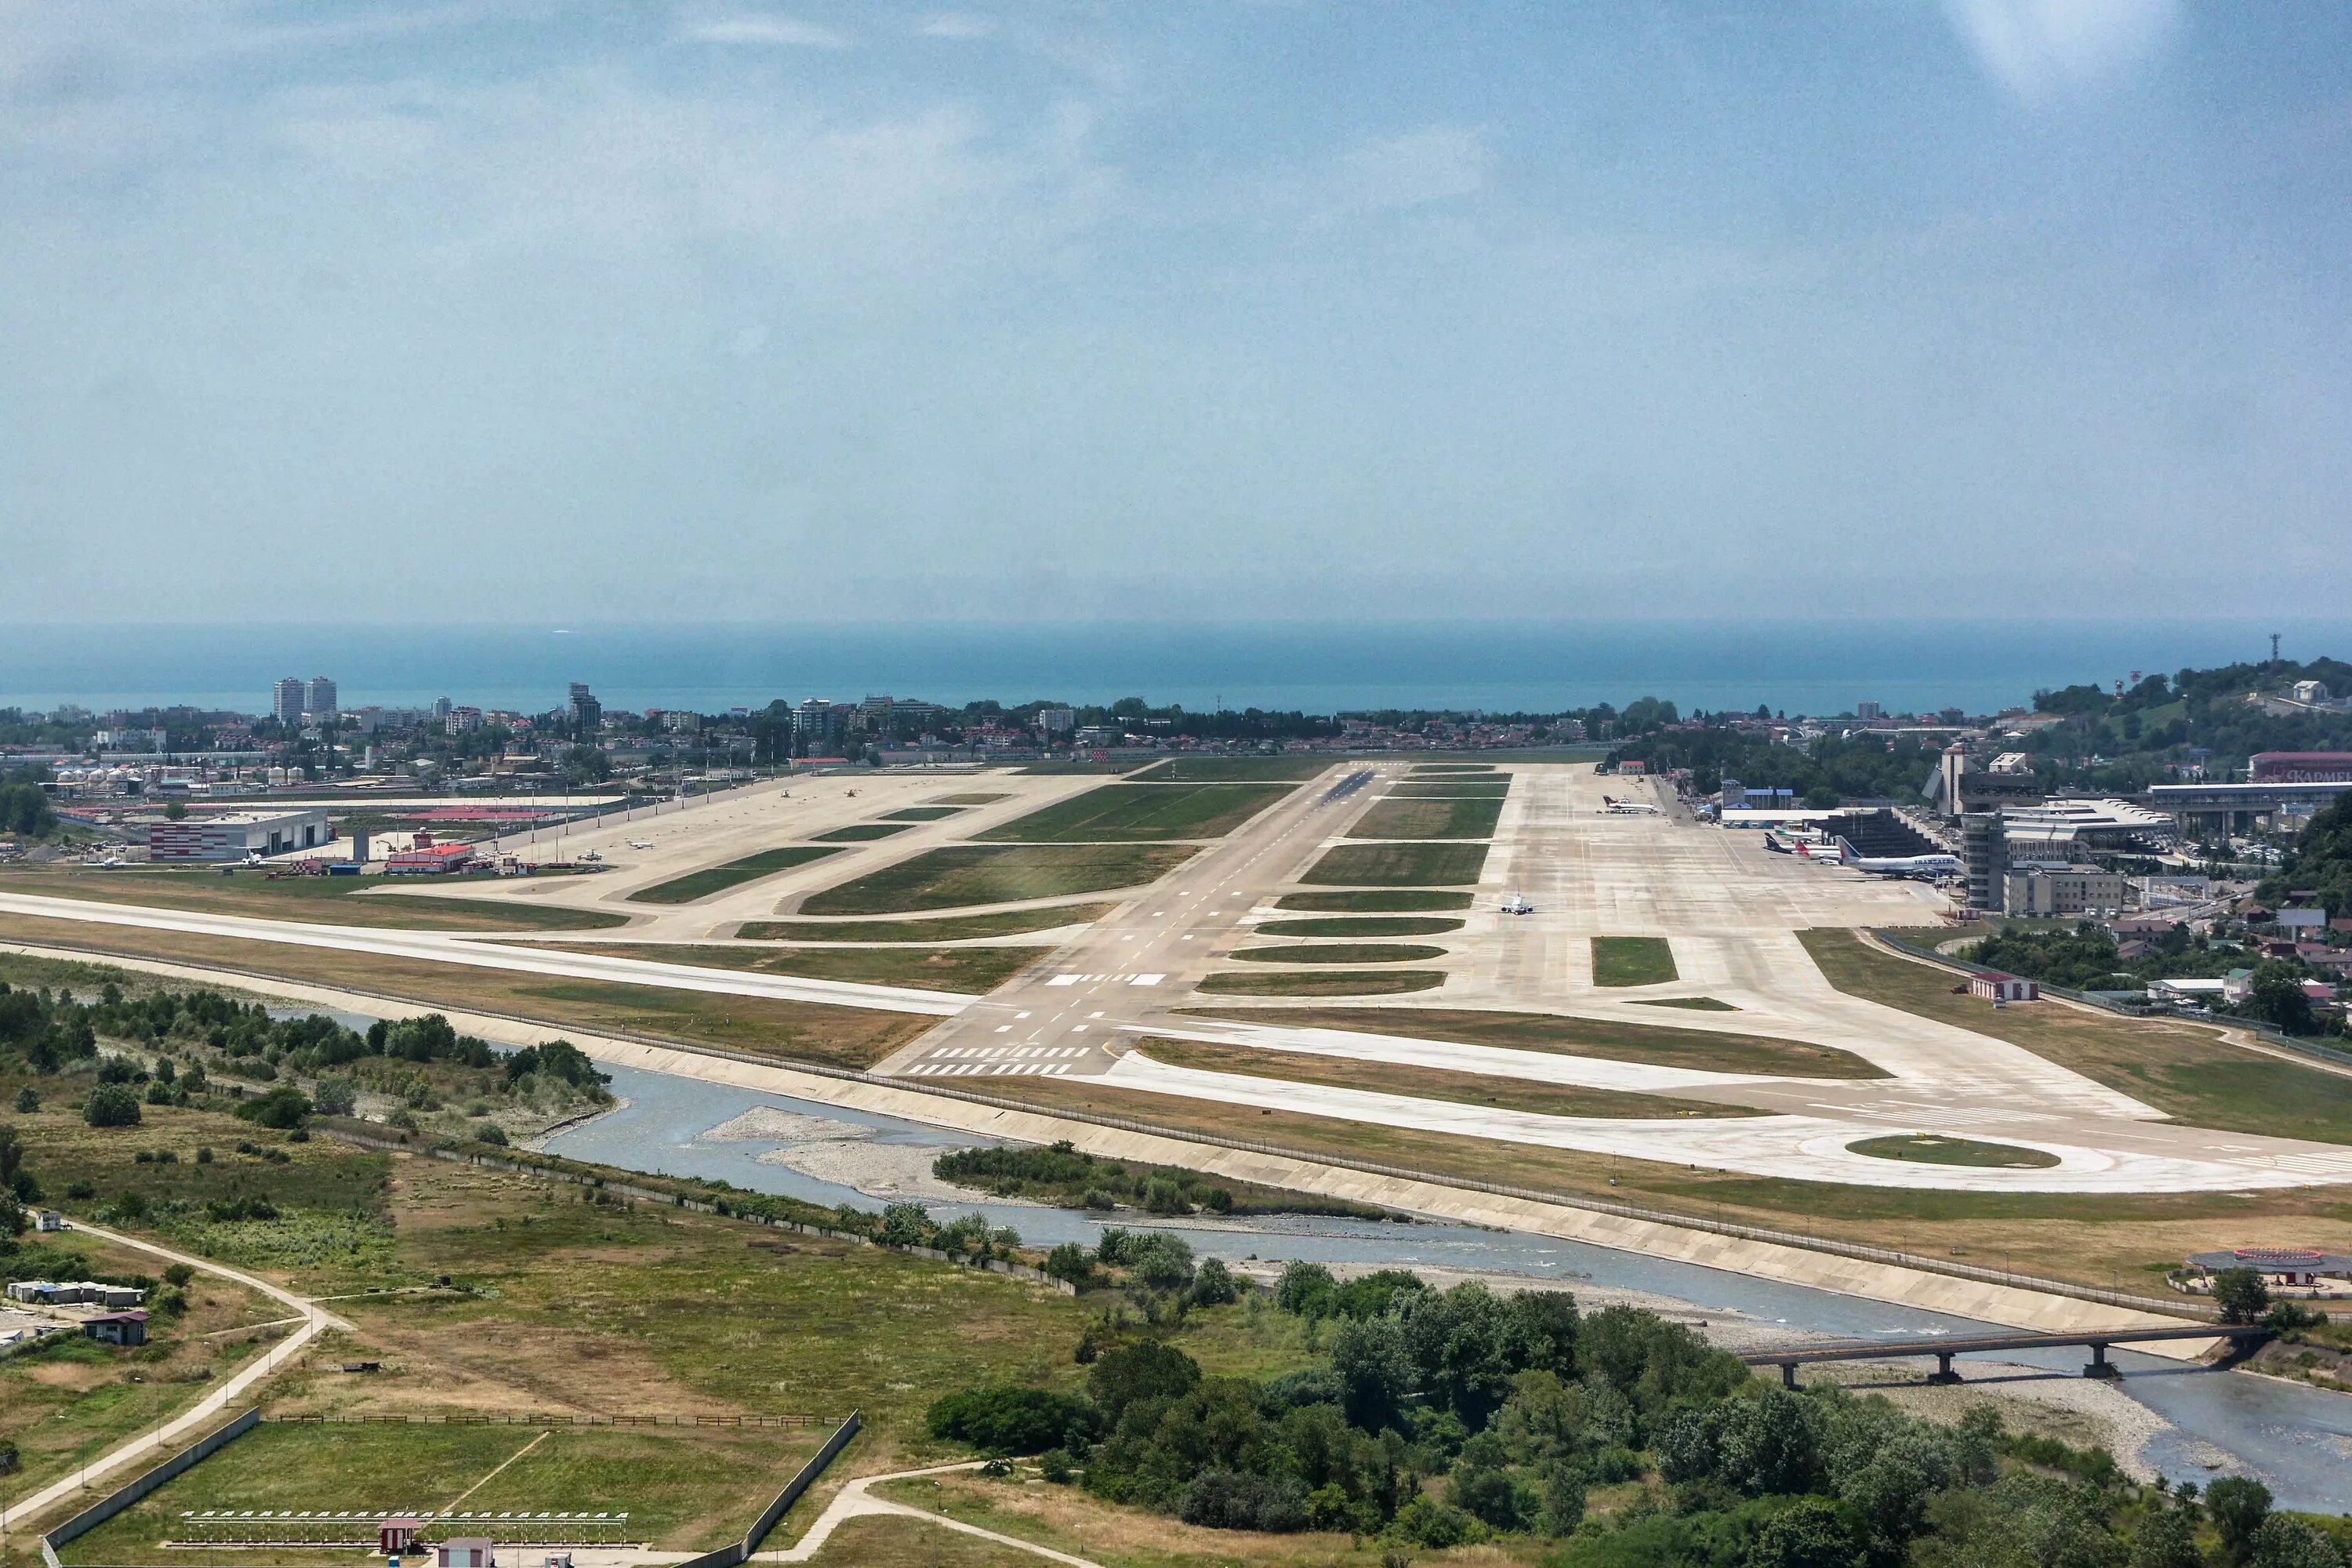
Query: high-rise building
(318, 697)
(285, 701)
(584, 711)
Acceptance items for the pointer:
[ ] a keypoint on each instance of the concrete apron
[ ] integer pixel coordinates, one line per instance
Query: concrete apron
(2008, 1305)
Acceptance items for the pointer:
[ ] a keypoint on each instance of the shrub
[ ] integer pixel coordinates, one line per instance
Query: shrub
(335, 1096)
(1011, 1419)
(1228, 1499)
(284, 1107)
(28, 1100)
(490, 1132)
(110, 1105)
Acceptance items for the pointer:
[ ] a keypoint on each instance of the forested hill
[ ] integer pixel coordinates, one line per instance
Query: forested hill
(2320, 862)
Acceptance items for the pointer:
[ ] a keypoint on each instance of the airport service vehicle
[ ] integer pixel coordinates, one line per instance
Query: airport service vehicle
(1612, 807)
(1516, 904)
(594, 856)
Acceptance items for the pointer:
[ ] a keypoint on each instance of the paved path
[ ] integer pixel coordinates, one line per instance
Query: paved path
(854, 1502)
(205, 1414)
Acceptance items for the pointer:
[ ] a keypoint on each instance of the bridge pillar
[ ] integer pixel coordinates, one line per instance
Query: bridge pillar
(1944, 1373)
(1788, 1374)
(2100, 1365)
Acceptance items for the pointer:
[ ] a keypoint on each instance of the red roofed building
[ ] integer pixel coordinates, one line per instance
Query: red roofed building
(429, 859)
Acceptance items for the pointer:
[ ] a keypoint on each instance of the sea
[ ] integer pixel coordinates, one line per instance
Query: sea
(1500, 666)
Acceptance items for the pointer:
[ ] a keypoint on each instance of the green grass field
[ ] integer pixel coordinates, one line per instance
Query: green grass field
(1693, 1004)
(1633, 961)
(683, 1488)
(1131, 810)
(952, 928)
(719, 879)
(1453, 768)
(1370, 901)
(920, 812)
(964, 875)
(860, 832)
(1928, 1149)
(2185, 1070)
(1466, 788)
(1342, 953)
(972, 970)
(1233, 770)
(1394, 818)
(970, 797)
(1363, 926)
(1661, 1043)
(1426, 1083)
(1323, 982)
(1398, 865)
(329, 900)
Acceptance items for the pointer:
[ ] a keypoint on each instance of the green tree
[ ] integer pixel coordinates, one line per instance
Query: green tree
(2238, 1505)
(1375, 1370)
(1812, 1533)
(2282, 1543)
(2276, 998)
(2240, 1295)
(2167, 1540)
(110, 1105)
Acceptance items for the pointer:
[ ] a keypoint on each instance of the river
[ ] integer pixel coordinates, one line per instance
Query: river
(2296, 1438)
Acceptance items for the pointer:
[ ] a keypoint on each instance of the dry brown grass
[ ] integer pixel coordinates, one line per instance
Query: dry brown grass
(2095, 1240)
(802, 1031)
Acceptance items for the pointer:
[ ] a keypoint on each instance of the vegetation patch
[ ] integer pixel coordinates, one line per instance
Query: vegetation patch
(1342, 953)
(1659, 1044)
(970, 970)
(1928, 1148)
(1426, 1083)
(1233, 770)
(719, 879)
(1120, 811)
(1370, 901)
(1468, 787)
(1694, 1003)
(1392, 925)
(1633, 961)
(968, 874)
(949, 928)
(971, 797)
(920, 812)
(682, 1490)
(329, 900)
(1312, 982)
(2185, 1070)
(859, 832)
(1060, 1174)
(1463, 818)
(1398, 866)
(1453, 768)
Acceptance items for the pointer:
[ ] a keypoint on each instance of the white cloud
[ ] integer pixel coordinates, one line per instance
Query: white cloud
(1434, 164)
(2034, 46)
(771, 30)
(954, 24)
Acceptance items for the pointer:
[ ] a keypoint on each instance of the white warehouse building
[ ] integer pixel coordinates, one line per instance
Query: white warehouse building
(233, 835)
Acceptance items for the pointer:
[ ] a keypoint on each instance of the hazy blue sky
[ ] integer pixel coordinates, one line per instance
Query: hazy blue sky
(749, 310)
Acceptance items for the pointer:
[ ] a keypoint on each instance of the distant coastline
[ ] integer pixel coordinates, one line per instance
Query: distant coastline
(1812, 667)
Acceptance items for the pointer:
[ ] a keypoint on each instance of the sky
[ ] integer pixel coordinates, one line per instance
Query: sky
(1289, 309)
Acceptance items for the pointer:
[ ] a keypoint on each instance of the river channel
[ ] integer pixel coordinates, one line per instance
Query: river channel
(2296, 1438)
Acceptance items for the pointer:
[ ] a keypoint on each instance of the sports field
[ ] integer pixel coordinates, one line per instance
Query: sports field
(1142, 810)
(1398, 866)
(971, 874)
(719, 879)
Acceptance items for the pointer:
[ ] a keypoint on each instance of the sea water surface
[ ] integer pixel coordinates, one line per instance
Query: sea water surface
(1794, 667)
(2296, 1438)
